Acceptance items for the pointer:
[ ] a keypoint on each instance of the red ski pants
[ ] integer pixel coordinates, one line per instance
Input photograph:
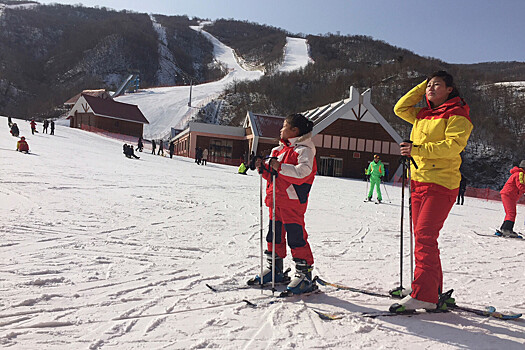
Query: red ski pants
(509, 203)
(289, 224)
(431, 204)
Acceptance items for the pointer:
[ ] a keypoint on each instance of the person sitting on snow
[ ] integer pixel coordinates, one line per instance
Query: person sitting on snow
(131, 152)
(125, 150)
(242, 169)
(22, 146)
(128, 151)
(14, 130)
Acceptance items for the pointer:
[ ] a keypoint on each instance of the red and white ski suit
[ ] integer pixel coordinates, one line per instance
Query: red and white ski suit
(512, 191)
(292, 187)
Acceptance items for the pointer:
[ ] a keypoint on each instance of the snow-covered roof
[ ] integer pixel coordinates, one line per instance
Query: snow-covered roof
(102, 93)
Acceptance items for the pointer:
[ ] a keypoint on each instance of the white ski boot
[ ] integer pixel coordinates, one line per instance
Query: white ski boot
(302, 281)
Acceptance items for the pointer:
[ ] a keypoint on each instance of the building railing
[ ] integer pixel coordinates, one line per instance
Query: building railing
(481, 193)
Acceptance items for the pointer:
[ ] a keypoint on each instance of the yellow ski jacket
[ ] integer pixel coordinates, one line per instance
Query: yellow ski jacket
(439, 135)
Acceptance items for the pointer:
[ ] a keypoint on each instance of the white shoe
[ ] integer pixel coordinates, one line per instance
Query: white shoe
(413, 304)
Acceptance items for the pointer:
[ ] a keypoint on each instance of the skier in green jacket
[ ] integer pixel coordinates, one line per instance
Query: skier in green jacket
(375, 172)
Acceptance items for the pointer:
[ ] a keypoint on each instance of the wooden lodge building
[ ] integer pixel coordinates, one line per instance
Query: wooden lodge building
(103, 114)
(346, 134)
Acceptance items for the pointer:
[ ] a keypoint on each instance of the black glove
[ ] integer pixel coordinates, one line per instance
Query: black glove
(368, 177)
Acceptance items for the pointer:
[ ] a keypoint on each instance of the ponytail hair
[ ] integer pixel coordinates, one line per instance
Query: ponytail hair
(297, 120)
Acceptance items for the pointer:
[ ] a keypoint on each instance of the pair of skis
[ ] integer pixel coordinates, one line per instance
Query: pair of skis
(371, 201)
(283, 294)
(498, 233)
(488, 311)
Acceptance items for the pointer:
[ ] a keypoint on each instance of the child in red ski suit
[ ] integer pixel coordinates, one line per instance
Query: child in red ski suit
(22, 145)
(295, 166)
(510, 194)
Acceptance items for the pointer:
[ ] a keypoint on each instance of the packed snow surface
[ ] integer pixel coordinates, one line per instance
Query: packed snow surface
(296, 55)
(99, 251)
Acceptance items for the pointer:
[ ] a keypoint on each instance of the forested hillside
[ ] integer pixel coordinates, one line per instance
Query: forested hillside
(50, 53)
(497, 111)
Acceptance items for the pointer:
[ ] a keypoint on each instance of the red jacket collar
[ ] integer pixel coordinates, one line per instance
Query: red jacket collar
(456, 102)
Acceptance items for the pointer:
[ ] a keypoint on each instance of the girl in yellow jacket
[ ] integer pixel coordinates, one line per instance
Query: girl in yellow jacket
(439, 134)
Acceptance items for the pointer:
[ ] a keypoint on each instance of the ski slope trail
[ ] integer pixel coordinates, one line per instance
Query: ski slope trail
(167, 107)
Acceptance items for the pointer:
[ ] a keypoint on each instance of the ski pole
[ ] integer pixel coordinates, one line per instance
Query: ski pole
(410, 225)
(261, 226)
(384, 186)
(273, 234)
(398, 292)
(367, 178)
(405, 161)
(401, 230)
(410, 214)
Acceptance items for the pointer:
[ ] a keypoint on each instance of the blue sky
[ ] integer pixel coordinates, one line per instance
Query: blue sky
(455, 31)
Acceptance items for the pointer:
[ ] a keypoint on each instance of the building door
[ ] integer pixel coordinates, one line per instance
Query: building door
(330, 166)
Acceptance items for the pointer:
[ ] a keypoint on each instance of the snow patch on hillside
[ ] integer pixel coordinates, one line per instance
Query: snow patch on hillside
(26, 6)
(168, 70)
(518, 86)
(295, 55)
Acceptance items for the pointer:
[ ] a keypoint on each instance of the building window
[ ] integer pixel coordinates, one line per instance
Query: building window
(353, 144)
(386, 147)
(327, 143)
(360, 145)
(330, 166)
(318, 140)
(336, 141)
(394, 148)
(369, 145)
(221, 148)
(344, 142)
(377, 146)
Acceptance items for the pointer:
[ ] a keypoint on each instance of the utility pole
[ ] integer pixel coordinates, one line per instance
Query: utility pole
(191, 85)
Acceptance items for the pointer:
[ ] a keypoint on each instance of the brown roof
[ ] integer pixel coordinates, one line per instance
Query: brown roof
(268, 125)
(96, 93)
(116, 110)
